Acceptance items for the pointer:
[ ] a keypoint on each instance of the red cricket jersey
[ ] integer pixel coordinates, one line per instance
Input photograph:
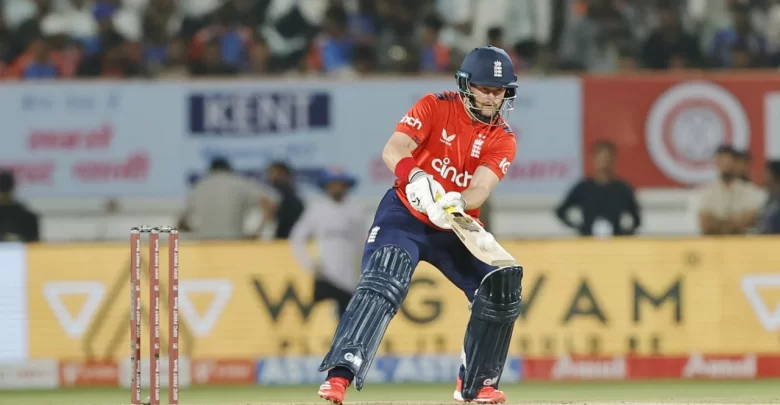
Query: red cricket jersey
(451, 145)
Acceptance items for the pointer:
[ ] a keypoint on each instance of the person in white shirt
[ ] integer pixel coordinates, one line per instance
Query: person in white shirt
(729, 205)
(339, 226)
(219, 203)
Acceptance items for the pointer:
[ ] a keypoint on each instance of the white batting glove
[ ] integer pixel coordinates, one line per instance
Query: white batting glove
(422, 190)
(437, 211)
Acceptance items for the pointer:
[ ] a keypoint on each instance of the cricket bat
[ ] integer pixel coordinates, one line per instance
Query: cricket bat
(468, 230)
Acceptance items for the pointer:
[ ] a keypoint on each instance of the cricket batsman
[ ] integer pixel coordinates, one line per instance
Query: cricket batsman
(449, 151)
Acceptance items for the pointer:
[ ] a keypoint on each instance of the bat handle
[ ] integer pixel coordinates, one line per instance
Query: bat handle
(450, 210)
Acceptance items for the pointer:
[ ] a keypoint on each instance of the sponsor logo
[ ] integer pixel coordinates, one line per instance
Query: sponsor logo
(567, 368)
(250, 114)
(354, 359)
(28, 374)
(687, 123)
(698, 366)
(447, 139)
(412, 122)
(751, 287)
(223, 372)
(222, 290)
(490, 381)
(504, 165)
(90, 374)
(442, 166)
(55, 291)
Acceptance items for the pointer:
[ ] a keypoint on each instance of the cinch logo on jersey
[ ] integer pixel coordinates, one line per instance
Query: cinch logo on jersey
(450, 173)
(504, 165)
(412, 122)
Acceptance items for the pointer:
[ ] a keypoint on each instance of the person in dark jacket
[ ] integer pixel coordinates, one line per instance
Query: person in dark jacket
(290, 205)
(605, 202)
(17, 222)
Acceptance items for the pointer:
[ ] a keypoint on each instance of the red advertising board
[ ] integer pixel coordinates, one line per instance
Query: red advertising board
(89, 374)
(223, 372)
(694, 366)
(666, 127)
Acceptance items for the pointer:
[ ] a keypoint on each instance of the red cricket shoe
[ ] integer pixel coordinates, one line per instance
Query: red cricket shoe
(486, 395)
(333, 390)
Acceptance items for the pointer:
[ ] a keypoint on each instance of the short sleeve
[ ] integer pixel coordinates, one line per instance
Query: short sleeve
(254, 191)
(500, 156)
(417, 123)
(705, 201)
(756, 197)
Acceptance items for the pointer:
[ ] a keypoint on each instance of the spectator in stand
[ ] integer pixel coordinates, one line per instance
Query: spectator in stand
(6, 36)
(606, 204)
(262, 60)
(742, 57)
(66, 53)
(730, 44)
(669, 40)
(218, 204)
(227, 35)
(290, 206)
(742, 165)
(591, 43)
(196, 14)
(30, 29)
(160, 25)
(17, 222)
(79, 21)
(435, 56)
(211, 63)
(626, 59)
(769, 219)
(331, 53)
(35, 63)
(363, 23)
(742, 172)
(259, 37)
(679, 60)
(728, 205)
(364, 59)
(104, 52)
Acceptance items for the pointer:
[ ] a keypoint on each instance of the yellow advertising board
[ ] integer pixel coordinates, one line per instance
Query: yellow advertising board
(580, 296)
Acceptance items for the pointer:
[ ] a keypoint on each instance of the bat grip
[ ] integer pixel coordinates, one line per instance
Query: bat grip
(450, 210)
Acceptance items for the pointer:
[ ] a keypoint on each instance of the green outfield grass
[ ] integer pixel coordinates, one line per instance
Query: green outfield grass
(658, 392)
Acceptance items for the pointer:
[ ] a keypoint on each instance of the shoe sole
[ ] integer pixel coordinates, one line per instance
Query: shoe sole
(458, 397)
(329, 399)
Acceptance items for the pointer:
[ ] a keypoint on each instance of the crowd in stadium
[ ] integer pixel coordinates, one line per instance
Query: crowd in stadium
(45, 39)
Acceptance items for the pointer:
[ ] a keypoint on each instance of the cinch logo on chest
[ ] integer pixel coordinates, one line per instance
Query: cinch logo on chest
(442, 166)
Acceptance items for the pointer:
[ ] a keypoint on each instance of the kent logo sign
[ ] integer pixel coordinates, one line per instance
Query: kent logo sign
(251, 114)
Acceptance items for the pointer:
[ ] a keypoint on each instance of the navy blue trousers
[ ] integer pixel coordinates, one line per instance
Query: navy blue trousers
(395, 225)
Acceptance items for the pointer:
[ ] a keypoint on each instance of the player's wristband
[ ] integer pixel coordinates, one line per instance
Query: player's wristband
(404, 167)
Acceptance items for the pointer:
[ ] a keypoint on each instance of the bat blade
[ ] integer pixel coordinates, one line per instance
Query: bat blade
(469, 230)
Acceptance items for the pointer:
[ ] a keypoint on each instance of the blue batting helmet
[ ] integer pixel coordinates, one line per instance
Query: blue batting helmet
(491, 67)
